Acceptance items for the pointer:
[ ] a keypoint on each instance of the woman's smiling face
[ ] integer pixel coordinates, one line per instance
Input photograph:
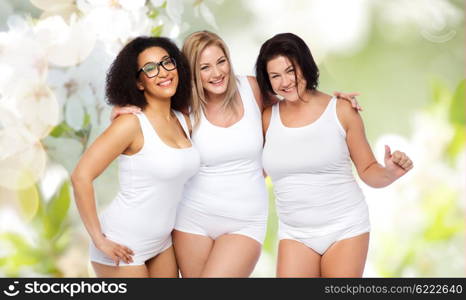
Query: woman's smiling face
(214, 69)
(164, 84)
(282, 75)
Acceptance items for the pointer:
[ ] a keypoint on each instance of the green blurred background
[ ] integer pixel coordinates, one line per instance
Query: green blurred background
(406, 58)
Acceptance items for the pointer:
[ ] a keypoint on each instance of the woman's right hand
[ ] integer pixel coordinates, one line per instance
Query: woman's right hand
(115, 251)
(122, 110)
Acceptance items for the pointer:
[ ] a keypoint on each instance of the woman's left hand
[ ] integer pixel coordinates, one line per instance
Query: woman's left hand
(397, 163)
(350, 97)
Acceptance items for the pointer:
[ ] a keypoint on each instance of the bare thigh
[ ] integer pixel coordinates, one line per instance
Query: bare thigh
(102, 270)
(163, 265)
(192, 252)
(233, 255)
(297, 260)
(346, 258)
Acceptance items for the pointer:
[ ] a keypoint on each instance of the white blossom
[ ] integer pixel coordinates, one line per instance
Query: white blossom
(81, 89)
(396, 208)
(157, 3)
(67, 45)
(62, 8)
(54, 176)
(10, 221)
(37, 108)
(207, 15)
(22, 158)
(175, 10)
(116, 22)
(23, 58)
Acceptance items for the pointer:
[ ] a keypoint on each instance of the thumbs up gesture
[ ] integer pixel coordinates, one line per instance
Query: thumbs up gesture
(397, 163)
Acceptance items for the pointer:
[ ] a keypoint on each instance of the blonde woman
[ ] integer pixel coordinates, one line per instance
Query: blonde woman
(222, 219)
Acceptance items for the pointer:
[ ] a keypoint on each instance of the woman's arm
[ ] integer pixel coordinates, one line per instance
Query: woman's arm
(266, 116)
(369, 170)
(118, 138)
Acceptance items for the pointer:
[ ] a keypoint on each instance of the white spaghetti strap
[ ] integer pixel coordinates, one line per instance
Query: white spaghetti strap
(275, 118)
(183, 123)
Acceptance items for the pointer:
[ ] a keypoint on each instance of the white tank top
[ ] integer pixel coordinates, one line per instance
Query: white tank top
(311, 170)
(151, 185)
(230, 181)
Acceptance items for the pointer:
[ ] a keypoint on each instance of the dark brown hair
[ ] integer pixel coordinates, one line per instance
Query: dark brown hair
(295, 49)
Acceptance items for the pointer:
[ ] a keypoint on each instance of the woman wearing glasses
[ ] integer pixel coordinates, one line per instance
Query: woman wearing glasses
(132, 237)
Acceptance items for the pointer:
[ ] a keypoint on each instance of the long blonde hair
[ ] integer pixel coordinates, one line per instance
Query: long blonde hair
(193, 46)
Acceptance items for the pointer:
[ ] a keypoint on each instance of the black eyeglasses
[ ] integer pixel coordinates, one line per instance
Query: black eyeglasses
(152, 69)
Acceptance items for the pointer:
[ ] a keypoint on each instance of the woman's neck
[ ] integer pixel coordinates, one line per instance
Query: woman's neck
(306, 99)
(215, 99)
(159, 108)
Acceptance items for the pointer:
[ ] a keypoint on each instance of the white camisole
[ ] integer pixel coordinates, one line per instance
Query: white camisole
(143, 213)
(310, 167)
(230, 181)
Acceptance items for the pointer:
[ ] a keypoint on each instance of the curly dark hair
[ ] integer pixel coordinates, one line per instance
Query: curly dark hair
(121, 83)
(295, 49)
